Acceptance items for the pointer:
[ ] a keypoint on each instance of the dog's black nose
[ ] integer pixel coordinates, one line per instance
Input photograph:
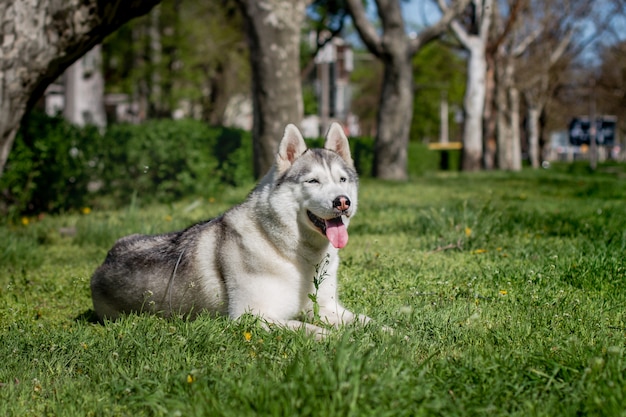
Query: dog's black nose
(341, 203)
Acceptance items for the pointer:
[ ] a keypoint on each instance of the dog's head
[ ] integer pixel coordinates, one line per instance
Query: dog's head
(324, 181)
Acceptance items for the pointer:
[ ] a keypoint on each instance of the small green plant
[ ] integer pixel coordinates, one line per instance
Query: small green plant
(319, 277)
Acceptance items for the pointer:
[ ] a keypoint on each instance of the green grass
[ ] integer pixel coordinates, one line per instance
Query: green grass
(507, 293)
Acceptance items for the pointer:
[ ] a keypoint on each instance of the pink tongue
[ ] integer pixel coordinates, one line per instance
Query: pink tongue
(336, 232)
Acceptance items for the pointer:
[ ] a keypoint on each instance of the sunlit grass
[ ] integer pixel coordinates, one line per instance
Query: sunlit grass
(506, 293)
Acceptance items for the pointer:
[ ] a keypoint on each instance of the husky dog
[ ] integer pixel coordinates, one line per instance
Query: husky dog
(259, 257)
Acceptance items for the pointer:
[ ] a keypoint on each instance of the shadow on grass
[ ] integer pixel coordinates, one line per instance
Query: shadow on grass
(88, 316)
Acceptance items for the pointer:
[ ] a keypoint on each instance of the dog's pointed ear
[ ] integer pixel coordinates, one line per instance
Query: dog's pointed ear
(291, 147)
(337, 141)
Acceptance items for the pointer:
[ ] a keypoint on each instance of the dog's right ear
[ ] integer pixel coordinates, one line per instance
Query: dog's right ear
(291, 147)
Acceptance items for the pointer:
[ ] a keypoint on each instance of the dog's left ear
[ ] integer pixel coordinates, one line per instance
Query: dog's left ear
(337, 141)
(291, 147)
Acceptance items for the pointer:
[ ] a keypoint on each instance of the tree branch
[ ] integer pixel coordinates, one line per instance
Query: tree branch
(486, 17)
(508, 26)
(436, 30)
(561, 47)
(366, 29)
(526, 42)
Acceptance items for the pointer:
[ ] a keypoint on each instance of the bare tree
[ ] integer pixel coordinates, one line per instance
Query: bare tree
(499, 100)
(40, 40)
(473, 33)
(513, 39)
(538, 91)
(395, 49)
(273, 29)
(563, 37)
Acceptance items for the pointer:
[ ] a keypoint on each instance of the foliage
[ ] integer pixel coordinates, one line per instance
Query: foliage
(164, 160)
(309, 99)
(57, 167)
(366, 79)
(49, 167)
(505, 290)
(437, 71)
(183, 54)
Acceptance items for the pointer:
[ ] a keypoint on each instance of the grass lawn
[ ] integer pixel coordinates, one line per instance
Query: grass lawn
(507, 293)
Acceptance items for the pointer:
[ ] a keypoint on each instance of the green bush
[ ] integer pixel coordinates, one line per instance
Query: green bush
(159, 160)
(233, 151)
(164, 160)
(53, 164)
(49, 167)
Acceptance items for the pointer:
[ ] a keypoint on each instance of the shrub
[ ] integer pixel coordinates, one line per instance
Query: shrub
(164, 160)
(49, 167)
(160, 160)
(54, 164)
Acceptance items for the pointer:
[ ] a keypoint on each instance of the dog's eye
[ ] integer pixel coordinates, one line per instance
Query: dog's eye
(312, 181)
(343, 179)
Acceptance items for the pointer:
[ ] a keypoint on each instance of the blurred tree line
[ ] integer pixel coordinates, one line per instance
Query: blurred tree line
(510, 70)
(181, 52)
(531, 53)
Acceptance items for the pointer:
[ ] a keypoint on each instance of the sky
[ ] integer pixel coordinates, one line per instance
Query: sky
(425, 12)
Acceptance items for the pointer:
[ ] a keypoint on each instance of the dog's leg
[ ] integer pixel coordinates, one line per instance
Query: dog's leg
(310, 329)
(330, 308)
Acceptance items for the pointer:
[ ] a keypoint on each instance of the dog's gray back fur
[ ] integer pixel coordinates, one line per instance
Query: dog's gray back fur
(154, 274)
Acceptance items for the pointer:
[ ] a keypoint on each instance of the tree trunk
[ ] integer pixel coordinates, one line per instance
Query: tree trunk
(475, 41)
(273, 29)
(396, 50)
(394, 119)
(489, 115)
(515, 163)
(533, 136)
(474, 103)
(40, 40)
(509, 148)
(503, 120)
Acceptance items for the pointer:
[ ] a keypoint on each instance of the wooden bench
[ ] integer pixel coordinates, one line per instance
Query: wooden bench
(445, 148)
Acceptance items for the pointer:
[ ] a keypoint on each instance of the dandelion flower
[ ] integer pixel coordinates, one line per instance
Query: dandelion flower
(25, 221)
(189, 378)
(247, 336)
(468, 231)
(503, 292)
(85, 210)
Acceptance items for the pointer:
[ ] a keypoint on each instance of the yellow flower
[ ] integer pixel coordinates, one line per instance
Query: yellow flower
(479, 251)
(25, 221)
(189, 378)
(503, 292)
(468, 231)
(85, 210)
(247, 336)
(168, 218)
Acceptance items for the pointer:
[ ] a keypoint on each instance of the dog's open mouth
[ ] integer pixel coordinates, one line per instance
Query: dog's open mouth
(333, 229)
